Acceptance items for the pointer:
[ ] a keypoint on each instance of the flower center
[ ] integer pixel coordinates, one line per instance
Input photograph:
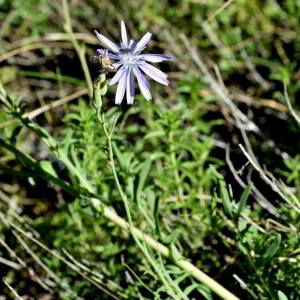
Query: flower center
(127, 57)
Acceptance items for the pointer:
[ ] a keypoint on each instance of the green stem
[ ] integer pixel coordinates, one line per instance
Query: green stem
(108, 135)
(111, 162)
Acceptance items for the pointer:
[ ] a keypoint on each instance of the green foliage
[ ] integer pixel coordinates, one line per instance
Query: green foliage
(168, 154)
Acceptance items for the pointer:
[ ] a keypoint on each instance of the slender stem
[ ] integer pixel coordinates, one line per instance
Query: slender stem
(12, 290)
(131, 228)
(112, 163)
(139, 235)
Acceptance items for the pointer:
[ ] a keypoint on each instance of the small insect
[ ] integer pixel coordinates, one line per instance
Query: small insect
(105, 63)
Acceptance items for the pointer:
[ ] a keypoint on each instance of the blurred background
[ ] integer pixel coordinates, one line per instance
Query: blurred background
(241, 50)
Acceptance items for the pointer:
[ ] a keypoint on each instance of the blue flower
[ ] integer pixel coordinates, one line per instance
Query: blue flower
(131, 63)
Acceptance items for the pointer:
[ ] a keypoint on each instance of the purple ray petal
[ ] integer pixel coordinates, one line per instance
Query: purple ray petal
(154, 73)
(142, 43)
(132, 44)
(141, 50)
(110, 56)
(118, 64)
(155, 57)
(107, 42)
(124, 35)
(117, 77)
(121, 87)
(143, 83)
(130, 87)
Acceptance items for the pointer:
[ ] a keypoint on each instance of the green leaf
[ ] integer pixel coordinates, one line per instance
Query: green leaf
(226, 198)
(157, 133)
(205, 291)
(119, 156)
(174, 253)
(282, 296)
(142, 177)
(156, 217)
(244, 249)
(47, 166)
(271, 250)
(14, 136)
(171, 238)
(7, 101)
(125, 159)
(224, 193)
(157, 155)
(243, 201)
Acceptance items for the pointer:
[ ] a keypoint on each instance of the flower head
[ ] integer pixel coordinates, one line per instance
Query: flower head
(132, 64)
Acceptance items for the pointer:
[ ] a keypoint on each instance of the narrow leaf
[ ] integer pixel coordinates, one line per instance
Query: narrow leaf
(142, 177)
(157, 133)
(156, 218)
(119, 156)
(243, 200)
(47, 167)
(271, 250)
(224, 193)
(226, 198)
(15, 134)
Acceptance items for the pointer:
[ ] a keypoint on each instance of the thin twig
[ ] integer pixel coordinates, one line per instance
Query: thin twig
(287, 99)
(258, 196)
(75, 268)
(218, 11)
(207, 77)
(10, 263)
(12, 253)
(271, 183)
(12, 290)
(38, 261)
